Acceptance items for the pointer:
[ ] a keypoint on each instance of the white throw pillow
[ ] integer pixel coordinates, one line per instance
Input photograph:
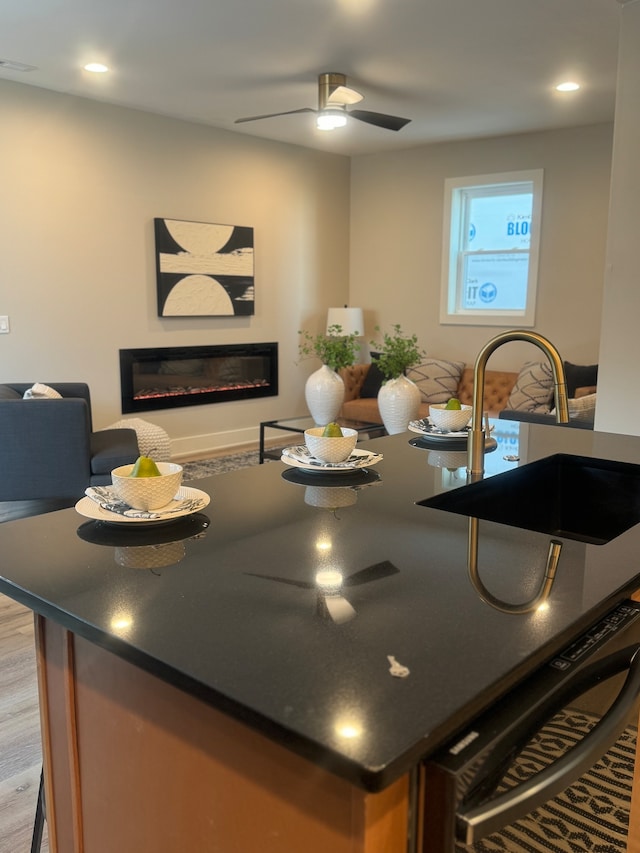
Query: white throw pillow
(581, 408)
(41, 392)
(533, 389)
(437, 379)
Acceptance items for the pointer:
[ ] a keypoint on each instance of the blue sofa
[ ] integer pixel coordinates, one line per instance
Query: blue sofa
(48, 450)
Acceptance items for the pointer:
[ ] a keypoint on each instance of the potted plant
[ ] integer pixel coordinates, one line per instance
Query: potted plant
(397, 353)
(399, 397)
(324, 389)
(333, 348)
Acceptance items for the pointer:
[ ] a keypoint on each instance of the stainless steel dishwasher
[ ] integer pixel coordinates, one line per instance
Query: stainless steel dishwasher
(459, 796)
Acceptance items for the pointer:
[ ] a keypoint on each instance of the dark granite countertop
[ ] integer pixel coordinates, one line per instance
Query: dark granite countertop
(236, 617)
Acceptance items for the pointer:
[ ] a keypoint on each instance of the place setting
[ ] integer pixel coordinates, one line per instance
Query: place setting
(447, 426)
(146, 492)
(330, 452)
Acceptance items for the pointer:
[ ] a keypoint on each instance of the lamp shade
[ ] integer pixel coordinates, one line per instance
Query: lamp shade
(351, 320)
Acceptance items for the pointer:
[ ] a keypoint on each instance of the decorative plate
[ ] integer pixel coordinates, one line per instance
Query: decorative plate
(299, 457)
(122, 535)
(425, 427)
(186, 502)
(355, 478)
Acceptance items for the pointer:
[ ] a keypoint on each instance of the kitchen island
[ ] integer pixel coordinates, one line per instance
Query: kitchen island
(225, 682)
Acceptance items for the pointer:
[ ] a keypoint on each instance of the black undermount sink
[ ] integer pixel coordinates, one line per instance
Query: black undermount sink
(575, 497)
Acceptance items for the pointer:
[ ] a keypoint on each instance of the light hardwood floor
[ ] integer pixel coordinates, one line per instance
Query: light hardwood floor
(20, 747)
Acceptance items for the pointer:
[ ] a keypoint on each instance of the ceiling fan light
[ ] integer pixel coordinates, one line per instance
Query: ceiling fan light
(96, 67)
(568, 86)
(331, 119)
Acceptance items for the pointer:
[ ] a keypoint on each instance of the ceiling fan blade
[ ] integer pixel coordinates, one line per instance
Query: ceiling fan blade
(380, 119)
(339, 608)
(274, 115)
(372, 573)
(302, 584)
(344, 95)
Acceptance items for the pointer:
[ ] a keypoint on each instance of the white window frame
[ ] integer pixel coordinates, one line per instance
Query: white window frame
(457, 190)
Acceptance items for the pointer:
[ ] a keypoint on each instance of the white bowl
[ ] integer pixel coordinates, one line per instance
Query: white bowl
(330, 449)
(147, 492)
(453, 420)
(330, 497)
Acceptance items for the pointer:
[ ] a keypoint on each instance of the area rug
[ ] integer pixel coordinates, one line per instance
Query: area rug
(592, 815)
(219, 464)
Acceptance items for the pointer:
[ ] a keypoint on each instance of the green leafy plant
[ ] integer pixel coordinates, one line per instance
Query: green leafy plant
(333, 349)
(398, 352)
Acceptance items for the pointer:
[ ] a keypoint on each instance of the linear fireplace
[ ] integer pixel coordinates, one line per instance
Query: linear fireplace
(167, 377)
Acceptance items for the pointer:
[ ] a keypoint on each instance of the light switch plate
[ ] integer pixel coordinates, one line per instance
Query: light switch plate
(4, 325)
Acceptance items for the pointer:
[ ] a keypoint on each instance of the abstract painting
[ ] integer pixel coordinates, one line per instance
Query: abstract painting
(203, 270)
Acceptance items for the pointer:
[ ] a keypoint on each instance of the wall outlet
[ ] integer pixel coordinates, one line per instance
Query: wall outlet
(4, 325)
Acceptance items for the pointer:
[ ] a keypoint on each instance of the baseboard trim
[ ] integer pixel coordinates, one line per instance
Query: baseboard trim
(213, 444)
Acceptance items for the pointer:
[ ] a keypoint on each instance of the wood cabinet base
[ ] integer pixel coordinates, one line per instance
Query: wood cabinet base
(132, 764)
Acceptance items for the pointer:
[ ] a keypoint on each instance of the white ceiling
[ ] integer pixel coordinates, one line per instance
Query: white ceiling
(458, 68)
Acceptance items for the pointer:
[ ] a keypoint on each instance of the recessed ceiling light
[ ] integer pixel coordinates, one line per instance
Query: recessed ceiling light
(569, 86)
(96, 67)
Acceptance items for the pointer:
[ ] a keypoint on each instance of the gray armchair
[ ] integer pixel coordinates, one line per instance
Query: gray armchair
(48, 450)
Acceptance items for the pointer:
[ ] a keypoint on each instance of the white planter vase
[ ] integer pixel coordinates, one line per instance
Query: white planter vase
(398, 401)
(324, 393)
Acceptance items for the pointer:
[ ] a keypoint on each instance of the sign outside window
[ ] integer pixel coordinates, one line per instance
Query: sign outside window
(490, 248)
(495, 281)
(499, 222)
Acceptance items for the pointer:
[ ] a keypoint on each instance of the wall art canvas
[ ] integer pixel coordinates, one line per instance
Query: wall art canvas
(203, 270)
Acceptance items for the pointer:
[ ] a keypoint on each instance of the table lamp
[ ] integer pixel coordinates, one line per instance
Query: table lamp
(351, 320)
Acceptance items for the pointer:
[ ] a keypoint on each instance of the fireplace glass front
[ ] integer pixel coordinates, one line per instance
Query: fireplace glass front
(188, 376)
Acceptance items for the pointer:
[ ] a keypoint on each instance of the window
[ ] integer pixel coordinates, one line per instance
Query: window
(490, 249)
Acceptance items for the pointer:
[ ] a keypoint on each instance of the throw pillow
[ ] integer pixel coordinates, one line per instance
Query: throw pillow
(40, 392)
(373, 380)
(533, 388)
(579, 375)
(8, 393)
(437, 379)
(581, 408)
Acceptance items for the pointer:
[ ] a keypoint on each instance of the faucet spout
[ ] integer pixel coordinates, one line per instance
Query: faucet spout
(475, 445)
(544, 590)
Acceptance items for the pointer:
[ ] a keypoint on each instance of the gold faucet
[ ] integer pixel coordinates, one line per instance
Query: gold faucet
(551, 566)
(475, 445)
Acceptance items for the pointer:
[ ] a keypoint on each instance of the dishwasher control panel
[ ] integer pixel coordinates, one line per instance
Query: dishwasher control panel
(597, 635)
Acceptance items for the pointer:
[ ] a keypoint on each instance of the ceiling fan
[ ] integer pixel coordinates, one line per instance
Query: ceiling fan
(328, 585)
(334, 96)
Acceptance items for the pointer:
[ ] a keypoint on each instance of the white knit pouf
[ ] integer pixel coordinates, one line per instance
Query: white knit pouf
(152, 440)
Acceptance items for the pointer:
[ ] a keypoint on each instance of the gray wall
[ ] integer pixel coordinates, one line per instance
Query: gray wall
(396, 239)
(618, 408)
(81, 184)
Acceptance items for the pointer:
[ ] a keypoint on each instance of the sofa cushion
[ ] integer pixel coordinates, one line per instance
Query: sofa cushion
(533, 389)
(579, 376)
(38, 391)
(111, 448)
(9, 393)
(373, 380)
(362, 409)
(437, 379)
